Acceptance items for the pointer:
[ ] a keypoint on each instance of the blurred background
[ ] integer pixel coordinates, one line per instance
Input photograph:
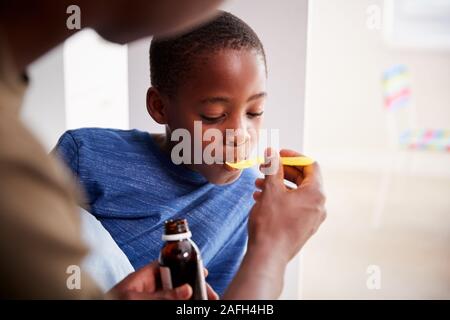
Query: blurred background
(377, 118)
(363, 86)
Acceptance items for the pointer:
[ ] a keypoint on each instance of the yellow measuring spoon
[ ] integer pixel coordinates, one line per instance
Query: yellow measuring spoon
(287, 161)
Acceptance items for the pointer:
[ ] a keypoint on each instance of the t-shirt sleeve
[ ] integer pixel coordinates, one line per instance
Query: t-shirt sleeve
(223, 267)
(67, 150)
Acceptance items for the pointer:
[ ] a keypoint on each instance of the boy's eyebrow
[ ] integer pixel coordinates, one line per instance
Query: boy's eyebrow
(257, 96)
(213, 100)
(225, 100)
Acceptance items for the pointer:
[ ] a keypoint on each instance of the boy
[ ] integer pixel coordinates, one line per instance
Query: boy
(215, 75)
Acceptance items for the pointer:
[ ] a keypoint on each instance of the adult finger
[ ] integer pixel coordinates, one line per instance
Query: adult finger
(272, 169)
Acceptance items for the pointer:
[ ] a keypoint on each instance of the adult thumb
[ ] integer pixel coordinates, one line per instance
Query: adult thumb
(272, 167)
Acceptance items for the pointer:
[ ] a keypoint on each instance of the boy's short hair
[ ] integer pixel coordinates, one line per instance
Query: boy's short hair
(171, 58)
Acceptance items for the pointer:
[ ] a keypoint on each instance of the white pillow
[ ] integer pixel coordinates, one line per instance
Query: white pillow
(106, 263)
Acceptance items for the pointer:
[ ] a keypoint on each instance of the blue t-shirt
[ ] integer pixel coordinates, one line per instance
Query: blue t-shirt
(133, 187)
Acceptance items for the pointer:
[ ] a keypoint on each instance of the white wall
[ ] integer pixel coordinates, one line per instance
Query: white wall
(44, 104)
(82, 83)
(138, 83)
(96, 82)
(282, 27)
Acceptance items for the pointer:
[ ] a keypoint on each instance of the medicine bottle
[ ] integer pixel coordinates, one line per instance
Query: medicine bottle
(180, 261)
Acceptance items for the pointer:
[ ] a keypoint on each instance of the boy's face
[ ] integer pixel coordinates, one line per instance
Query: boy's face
(224, 90)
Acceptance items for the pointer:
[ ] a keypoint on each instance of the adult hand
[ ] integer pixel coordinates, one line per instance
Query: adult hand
(144, 284)
(283, 219)
(280, 223)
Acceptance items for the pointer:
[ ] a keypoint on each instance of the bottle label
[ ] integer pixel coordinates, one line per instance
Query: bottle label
(166, 278)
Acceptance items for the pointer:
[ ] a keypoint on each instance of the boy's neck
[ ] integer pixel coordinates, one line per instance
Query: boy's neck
(163, 141)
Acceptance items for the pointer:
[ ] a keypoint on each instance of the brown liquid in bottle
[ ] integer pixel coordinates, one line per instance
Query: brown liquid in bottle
(180, 261)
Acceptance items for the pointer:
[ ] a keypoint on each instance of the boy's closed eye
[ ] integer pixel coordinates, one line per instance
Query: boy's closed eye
(218, 118)
(218, 108)
(255, 114)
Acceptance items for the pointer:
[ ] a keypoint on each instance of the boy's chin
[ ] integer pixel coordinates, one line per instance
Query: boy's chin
(218, 174)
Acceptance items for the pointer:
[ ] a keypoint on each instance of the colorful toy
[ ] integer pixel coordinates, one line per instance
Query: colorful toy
(396, 87)
(426, 139)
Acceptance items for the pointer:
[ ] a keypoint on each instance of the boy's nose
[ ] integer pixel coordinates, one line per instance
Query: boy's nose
(236, 134)
(236, 137)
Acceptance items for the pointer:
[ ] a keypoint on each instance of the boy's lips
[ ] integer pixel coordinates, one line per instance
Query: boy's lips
(240, 153)
(233, 154)
(235, 160)
(228, 168)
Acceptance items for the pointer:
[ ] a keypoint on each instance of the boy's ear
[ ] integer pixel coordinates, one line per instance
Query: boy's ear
(156, 106)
